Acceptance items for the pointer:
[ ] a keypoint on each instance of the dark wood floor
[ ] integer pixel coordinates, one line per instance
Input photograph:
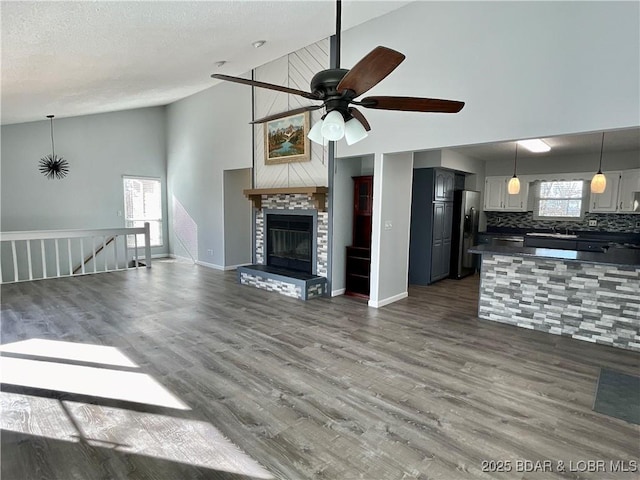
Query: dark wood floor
(324, 389)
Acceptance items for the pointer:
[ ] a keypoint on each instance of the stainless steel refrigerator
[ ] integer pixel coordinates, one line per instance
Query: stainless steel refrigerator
(466, 211)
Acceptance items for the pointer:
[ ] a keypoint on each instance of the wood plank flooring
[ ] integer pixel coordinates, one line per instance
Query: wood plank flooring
(284, 389)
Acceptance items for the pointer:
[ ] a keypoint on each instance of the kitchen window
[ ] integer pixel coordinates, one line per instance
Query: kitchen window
(560, 200)
(143, 203)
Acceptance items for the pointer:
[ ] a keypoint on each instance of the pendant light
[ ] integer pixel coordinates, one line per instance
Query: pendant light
(514, 184)
(599, 181)
(52, 166)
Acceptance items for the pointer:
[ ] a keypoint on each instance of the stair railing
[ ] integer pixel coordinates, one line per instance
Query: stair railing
(34, 255)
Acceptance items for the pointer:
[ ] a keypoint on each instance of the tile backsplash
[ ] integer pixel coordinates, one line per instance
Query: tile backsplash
(606, 222)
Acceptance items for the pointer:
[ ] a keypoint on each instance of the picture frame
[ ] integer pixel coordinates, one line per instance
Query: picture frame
(286, 141)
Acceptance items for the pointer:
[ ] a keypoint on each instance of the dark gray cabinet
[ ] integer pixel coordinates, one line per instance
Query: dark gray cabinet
(441, 246)
(431, 225)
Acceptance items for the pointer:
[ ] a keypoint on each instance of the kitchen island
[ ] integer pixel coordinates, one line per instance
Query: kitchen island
(591, 296)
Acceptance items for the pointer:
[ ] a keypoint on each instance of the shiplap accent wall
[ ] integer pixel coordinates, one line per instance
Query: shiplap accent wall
(294, 70)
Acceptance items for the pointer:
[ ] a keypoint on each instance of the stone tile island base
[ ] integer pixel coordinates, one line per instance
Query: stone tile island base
(598, 303)
(297, 285)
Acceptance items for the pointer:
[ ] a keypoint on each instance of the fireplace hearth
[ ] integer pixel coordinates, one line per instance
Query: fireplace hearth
(290, 241)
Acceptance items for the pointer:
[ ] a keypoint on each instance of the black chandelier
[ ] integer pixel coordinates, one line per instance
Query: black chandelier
(53, 166)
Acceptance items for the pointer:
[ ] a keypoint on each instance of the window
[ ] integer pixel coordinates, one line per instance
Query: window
(143, 203)
(561, 200)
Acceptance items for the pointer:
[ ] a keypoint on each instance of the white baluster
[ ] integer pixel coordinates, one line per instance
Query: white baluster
(15, 260)
(115, 250)
(44, 259)
(57, 258)
(82, 254)
(104, 251)
(29, 264)
(93, 253)
(70, 260)
(135, 249)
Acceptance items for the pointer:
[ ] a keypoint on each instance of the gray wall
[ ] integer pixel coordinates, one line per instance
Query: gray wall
(207, 133)
(345, 169)
(566, 163)
(524, 69)
(392, 185)
(100, 150)
(237, 218)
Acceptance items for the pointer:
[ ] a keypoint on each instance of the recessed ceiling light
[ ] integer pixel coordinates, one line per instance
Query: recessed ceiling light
(535, 145)
(259, 43)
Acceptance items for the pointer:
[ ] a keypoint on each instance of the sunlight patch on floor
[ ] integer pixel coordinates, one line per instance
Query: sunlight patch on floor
(129, 432)
(83, 352)
(98, 382)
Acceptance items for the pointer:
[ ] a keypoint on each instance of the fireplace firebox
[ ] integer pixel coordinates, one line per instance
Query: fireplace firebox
(289, 242)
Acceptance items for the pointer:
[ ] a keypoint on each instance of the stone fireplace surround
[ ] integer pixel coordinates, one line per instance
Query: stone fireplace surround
(300, 286)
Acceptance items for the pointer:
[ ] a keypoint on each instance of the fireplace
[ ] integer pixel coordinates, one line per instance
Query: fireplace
(290, 242)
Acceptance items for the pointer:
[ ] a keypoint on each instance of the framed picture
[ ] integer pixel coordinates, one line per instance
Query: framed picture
(285, 140)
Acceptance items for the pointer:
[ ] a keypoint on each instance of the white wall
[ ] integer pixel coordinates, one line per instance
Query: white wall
(207, 133)
(342, 229)
(524, 69)
(294, 70)
(551, 163)
(392, 185)
(237, 218)
(100, 149)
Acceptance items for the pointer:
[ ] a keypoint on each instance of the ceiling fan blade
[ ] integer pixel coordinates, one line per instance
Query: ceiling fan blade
(357, 114)
(269, 86)
(369, 71)
(276, 116)
(413, 104)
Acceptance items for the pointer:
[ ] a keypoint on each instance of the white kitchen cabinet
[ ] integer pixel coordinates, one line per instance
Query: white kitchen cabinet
(629, 184)
(494, 190)
(608, 200)
(518, 202)
(497, 199)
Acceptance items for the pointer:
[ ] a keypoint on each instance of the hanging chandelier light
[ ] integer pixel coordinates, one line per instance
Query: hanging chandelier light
(53, 166)
(599, 181)
(514, 184)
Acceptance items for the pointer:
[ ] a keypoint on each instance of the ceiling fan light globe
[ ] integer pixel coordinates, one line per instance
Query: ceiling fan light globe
(315, 134)
(514, 186)
(598, 183)
(354, 132)
(333, 126)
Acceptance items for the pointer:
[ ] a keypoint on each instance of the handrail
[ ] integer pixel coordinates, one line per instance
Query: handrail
(52, 234)
(49, 260)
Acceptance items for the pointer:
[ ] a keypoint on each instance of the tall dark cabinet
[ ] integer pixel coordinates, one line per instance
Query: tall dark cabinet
(359, 253)
(431, 225)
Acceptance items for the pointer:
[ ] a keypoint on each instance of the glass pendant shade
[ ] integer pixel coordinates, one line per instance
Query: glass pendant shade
(514, 186)
(354, 132)
(333, 126)
(598, 183)
(315, 134)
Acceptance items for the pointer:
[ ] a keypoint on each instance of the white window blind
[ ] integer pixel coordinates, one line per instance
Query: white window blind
(560, 199)
(143, 203)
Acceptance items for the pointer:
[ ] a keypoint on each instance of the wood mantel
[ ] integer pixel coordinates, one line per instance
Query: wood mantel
(317, 194)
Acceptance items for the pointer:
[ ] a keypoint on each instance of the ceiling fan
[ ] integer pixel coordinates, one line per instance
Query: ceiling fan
(337, 89)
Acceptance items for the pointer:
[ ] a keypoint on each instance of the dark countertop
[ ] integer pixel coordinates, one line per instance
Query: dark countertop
(613, 256)
(614, 237)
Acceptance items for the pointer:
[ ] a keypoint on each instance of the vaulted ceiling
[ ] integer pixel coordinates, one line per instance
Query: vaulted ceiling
(78, 58)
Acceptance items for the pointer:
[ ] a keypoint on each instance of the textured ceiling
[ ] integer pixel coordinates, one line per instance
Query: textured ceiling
(84, 57)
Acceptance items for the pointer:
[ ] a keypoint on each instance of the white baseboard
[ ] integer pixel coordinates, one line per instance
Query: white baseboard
(340, 291)
(388, 300)
(209, 265)
(181, 258)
